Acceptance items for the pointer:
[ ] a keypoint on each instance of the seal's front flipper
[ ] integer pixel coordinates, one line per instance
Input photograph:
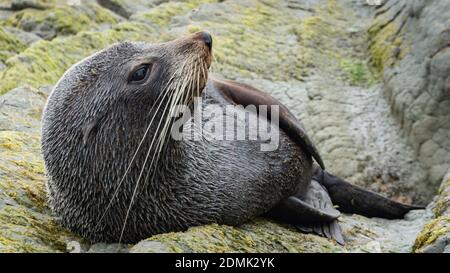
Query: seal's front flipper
(311, 212)
(353, 199)
(243, 94)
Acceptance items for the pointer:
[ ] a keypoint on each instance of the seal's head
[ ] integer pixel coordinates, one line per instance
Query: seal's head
(103, 124)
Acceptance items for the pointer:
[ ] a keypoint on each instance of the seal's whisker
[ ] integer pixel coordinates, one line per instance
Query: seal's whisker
(169, 83)
(140, 176)
(174, 98)
(159, 145)
(204, 74)
(180, 96)
(131, 162)
(197, 79)
(201, 75)
(146, 178)
(192, 86)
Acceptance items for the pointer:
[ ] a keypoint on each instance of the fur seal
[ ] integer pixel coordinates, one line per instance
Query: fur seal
(115, 174)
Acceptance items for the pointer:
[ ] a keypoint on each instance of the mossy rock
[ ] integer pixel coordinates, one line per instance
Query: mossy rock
(431, 233)
(357, 72)
(162, 14)
(62, 19)
(31, 4)
(9, 45)
(386, 43)
(261, 39)
(259, 235)
(442, 202)
(26, 224)
(435, 236)
(24, 230)
(260, 48)
(45, 61)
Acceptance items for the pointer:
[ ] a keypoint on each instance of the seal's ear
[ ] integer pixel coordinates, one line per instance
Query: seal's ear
(88, 129)
(243, 94)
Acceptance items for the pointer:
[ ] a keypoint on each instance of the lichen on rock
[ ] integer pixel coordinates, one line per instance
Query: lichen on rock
(258, 235)
(435, 236)
(61, 19)
(386, 45)
(9, 45)
(45, 61)
(26, 224)
(432, 232)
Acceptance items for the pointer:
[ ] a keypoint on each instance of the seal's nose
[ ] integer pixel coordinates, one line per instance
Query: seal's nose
(206, 38)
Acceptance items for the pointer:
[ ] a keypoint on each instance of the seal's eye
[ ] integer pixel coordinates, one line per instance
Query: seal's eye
(140, 74)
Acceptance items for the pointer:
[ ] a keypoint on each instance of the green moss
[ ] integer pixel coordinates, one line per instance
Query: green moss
(45, 61)
(163, 14)
(12, 140)
(443, 199)
(9, 45)
(64, 19)
(356, 72)
(258, 48)
(385, 46)
(210, 238)
(10, 144)
(431, 232)
(22, 169)
(36, 4)
(257, 236)
(314, 31)
(22, 230)
(328, 48)
(253, 41)
(194, 28)
(26, 224)
(243, 51)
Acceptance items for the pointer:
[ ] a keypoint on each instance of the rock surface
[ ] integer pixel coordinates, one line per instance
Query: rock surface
(373, 95)
(435, 236)
(411, 42)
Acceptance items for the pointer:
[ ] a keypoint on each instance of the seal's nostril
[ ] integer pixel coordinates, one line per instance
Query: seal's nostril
(206, 37)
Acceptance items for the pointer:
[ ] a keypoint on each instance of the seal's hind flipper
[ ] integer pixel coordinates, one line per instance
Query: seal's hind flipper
(310, 211)
(294, 210)
(243, 94)
(353, 199)
(330, 230)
